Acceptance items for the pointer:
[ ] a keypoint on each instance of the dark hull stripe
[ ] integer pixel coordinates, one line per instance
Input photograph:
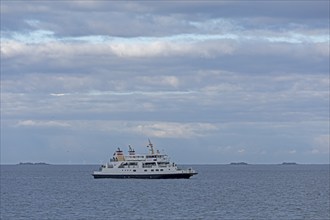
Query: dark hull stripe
(146, 176)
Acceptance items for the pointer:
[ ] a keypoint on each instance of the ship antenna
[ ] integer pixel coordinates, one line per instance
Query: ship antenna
(151, 146)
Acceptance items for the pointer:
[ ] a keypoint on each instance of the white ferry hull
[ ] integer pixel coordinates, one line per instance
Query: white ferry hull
(144, 176)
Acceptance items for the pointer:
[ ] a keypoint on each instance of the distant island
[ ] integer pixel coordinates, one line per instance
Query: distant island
(289, 163)
(29, 163)
(239, 163)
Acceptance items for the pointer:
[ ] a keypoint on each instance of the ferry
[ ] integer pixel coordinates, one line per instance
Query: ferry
(154, 165)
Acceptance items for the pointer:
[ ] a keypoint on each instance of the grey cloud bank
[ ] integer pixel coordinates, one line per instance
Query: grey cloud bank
(210, 82)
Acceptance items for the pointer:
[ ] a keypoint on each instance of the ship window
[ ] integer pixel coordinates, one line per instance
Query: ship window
(152, 170)
(161, 170)
(145, 170)
(134, 170)
(157, 170)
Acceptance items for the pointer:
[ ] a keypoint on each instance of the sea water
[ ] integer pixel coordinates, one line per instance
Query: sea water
(217, 192)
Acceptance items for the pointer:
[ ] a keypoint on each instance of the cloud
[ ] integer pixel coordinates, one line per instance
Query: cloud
(172, 81)
(46, 43)
(58, 94)
(241, 151)
(138, 47)
(34, 123)
(202, 94)
(160, 129)
(175, 130)
(252, 76)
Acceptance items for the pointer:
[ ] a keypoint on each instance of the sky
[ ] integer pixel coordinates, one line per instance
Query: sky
(209, 82)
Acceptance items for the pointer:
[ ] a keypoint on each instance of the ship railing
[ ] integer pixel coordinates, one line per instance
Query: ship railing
(135, 157)
(163, 165)
(190, 170)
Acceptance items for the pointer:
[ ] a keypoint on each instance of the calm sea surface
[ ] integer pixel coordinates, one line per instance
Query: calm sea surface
(217, 192)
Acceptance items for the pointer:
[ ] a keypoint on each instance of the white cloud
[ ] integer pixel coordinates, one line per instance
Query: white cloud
(34, 123)
(13, 48)
(172, 81)
(58, 94)
(175, 130)
(152, 48)
(44, 43)
(241, 151)
(220, 88)
(160, 129)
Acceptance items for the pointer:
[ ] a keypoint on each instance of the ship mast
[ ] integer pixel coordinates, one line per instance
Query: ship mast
(151, 147)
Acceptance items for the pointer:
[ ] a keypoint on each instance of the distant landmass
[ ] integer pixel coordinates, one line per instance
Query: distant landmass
(289, 163)
(238, 163)
(29, 163)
